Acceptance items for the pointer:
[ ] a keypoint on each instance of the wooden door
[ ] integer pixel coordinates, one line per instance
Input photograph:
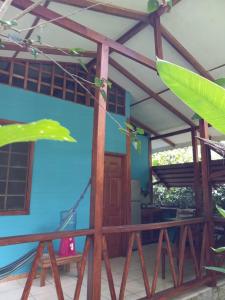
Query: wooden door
(113, 213)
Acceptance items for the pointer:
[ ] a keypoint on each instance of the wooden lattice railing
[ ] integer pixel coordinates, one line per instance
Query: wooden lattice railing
(192, 232)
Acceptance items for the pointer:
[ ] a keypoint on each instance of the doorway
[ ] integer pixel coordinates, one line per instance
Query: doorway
(116, 203)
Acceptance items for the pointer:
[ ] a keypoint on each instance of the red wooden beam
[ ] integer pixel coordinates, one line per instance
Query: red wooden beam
(107, 9)
(124, 38)
(147, 129)
(47, 14)
(29, 33)
(177, 132)
(151, 93)
(47, 50)
(97, 178)
(157, 37)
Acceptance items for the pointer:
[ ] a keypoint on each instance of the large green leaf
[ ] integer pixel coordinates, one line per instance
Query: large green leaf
(216, 269)
(43, 129)
(204, 97)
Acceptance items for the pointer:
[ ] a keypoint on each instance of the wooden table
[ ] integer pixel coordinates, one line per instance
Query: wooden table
(45, 264)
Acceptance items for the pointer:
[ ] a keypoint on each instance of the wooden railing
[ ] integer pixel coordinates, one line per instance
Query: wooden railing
(188, 231)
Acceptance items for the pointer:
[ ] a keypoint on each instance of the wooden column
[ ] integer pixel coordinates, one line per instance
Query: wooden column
(150, 170)
(197, 184)
(207, 195)
(158, 37)
(98, 153)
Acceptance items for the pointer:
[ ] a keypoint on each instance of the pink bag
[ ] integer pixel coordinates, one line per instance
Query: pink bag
(67, 247)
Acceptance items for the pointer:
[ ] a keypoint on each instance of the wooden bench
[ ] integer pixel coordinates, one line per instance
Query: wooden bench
(45, 264)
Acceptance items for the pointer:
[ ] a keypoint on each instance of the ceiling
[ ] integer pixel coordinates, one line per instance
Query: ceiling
(197, 25)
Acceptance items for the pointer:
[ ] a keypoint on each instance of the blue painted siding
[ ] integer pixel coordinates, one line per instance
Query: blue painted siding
(60, 170)
(140, 163)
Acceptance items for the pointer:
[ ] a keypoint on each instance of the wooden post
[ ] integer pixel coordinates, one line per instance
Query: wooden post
(98, 153)
(207, 193)
(158, 37)
(150, 170)
(197, 185)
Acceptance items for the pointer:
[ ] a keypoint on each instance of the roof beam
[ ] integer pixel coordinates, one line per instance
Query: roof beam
(65, 23)
(107, 9)
(151, 93)
(185, 53)
(150, 130)
(29, 33)
(177, 132)
(124, 38)
(47, 50)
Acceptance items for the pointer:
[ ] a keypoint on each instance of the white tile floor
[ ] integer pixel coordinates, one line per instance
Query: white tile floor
(12, 290)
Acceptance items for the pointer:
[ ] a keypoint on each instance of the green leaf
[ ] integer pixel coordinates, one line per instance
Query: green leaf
(103, 94)
(204, 97)
(83, 65)
(170, 3)
(221, 211)
(129, 126)
(76, 51)
(98, 82)
(216, 269)
(137, 145)
(140, 131)
(220, 81)
(109, 84)
(153, 5)
(196, 117)
(219, 250)
(42, 129)
(123, 130)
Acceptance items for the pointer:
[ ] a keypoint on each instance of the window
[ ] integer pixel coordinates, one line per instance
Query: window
(15, 177)
(49, 79)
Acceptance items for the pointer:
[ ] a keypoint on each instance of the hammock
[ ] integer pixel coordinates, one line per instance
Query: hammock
(17, 264)
(219, 148)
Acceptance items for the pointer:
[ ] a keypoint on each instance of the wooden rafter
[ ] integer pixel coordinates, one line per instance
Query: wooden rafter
(157, 37)
(177, 132)
(124, 38)
(147, 98)
(29, 33)
(149, 130)
(107, 9)
(185, 53)
(151, 93)
(68, 24)
(47, 50)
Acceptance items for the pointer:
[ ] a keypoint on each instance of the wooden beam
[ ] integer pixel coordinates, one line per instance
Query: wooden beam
(68, 24)
(157, 37)
(124, 38)
(197, 184)
(147, 98)
(97, 178)
(151, 93)
(48, 50)
(207, 194)
(177, 132)
(149, 130)
(185, 53)
(29, 33)
(108, 9)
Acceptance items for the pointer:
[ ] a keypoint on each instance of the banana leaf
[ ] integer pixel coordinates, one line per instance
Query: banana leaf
(203, 96)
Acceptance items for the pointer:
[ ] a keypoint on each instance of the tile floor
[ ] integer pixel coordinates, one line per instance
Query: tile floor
(12, 290)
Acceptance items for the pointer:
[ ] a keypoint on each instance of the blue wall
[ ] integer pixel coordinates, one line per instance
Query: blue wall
(60, 170)
(140, 163)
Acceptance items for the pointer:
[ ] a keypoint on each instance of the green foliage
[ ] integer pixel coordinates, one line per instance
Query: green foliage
(43, 129)
(83, 65)
(153, 5)
(76, 51)
(221, 211)
(133, 132)
(216, 269)
(220, 81)
(204, 97)
(219, 250)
